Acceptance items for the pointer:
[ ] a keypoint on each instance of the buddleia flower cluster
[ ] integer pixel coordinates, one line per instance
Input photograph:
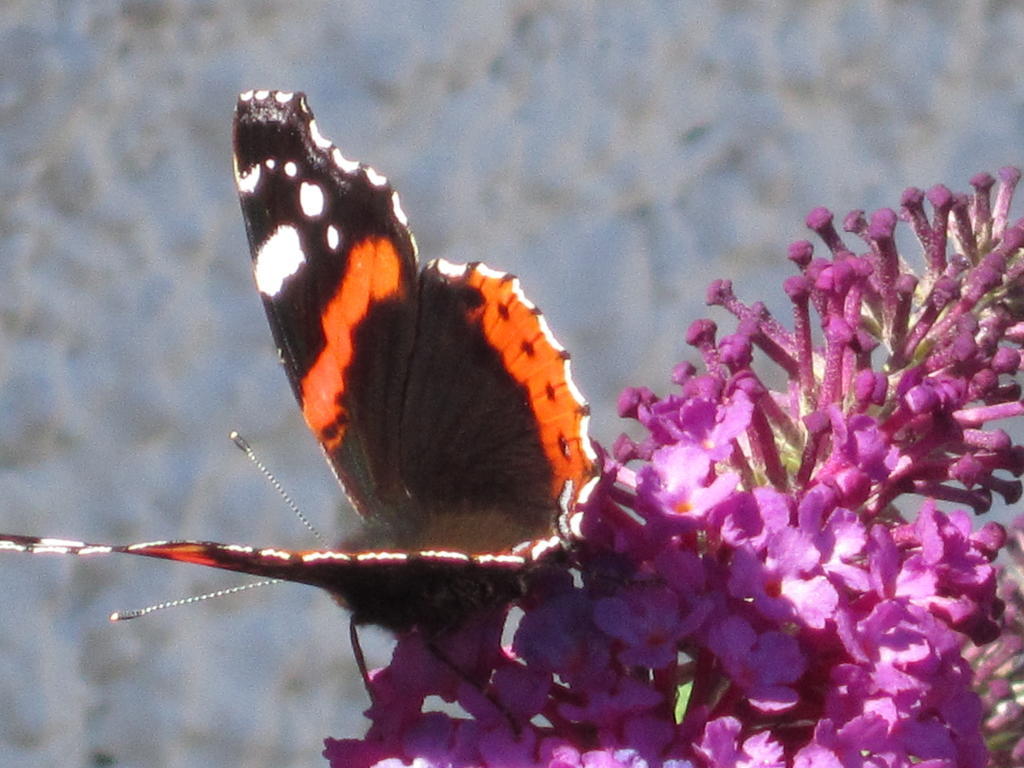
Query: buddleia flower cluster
(787, 568)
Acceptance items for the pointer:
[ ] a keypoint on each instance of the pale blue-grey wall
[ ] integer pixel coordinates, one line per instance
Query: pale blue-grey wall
(616, 157)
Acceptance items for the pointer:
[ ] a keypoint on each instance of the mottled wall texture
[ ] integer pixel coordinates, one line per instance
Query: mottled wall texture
(615, 156)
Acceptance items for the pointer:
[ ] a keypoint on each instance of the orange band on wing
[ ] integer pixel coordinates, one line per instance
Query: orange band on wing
(182, 551)
(517, 331)
(373, 272)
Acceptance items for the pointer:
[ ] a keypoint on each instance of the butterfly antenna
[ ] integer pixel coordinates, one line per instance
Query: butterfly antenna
(139, 612)
(244, 446)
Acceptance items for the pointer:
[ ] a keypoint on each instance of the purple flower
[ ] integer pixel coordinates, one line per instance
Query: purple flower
(678, 490)
(999, 666)
(720, 745)
(647, 620)
(762, 665)
(779, 576)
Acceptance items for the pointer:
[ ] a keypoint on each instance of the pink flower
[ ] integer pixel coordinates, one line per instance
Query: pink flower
(746, 592)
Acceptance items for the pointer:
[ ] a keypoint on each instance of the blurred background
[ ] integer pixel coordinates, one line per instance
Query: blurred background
(616, 158)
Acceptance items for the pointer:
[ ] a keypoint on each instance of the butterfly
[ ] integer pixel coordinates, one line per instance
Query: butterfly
(439, 396)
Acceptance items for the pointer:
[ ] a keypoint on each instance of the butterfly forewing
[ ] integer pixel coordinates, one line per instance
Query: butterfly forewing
(335, 266)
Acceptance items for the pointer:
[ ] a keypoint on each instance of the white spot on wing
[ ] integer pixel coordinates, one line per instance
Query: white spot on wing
(245, 95)
(574, 525)
(585, 443)
(312, 557)
(283, 97)
(291, 169)
(333, 237)
(61, 543)
(375, 178)
(517, 289)
(95, 549)
(277, 259)
(448, 269)
(276, 554)
(311, 198)
(386, 556)
(271, 163)
(494, 274)
(542, 547)
(318, 138)
(396, 204)
(10, 545)
(348, 166)
(50, 550)
(432, 554)
(261, 94)
(576, 521)
(573, 389)
(246, 181)
(546, 330)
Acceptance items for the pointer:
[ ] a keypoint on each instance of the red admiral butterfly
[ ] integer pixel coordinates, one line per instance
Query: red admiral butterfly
(440, 398)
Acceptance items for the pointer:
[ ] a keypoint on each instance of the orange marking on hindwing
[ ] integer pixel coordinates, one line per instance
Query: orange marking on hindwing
(515, 330)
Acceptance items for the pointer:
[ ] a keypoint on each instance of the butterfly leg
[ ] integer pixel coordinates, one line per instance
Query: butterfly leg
(357, 652)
